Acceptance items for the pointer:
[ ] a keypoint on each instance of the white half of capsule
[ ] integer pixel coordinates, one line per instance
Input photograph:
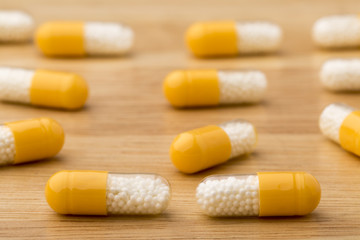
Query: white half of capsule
(341, 74)
(331, 119)
(15, 26)
(241, 86)
(337, 31)
(103, 38)
(7, 146)
(242, 135)
(258, 37)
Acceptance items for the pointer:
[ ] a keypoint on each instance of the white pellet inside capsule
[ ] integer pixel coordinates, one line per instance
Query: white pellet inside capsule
(241, 86)
(15, 26)
(229, 195)
(331, 119)
(7, 146)
(136, 194)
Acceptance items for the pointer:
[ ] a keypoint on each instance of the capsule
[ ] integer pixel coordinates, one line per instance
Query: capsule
(43, 88)
(226, 38)
(341, 74)
(76, 39)
(262, 194)
(208, 146)
(30, 140)
(341, 123)
(194, 88)
(103, 193)
(15, 26)
(338, 31)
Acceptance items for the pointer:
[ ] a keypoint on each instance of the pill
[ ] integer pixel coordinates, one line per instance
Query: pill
(83, 38)
(42, 88)
(262, 194)
(210, 39)
(15, 26)
(30, 140)
(341, 123)
(341, 74)
(104, 193)
(337, 31)
(192, 88)
(208, 146)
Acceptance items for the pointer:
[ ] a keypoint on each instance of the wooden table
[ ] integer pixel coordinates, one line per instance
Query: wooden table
(127, 125)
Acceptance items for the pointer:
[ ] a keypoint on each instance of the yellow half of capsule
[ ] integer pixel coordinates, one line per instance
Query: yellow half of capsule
(192, 88)
(208, 39)
(287, 193)
(36, 139)
(61, 38)
(200, 148)
(349, 133)
(57, 89)
(77, 192)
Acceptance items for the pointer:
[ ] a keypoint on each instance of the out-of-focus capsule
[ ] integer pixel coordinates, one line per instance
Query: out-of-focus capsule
(341, 123)
(205, 147)
(337, 31)
(15, 26)
(30, 140)
(263, 194)
(210, 39)
(43, 88)
(341, 74)
(103, 193)
(210, 87)
(83, 38)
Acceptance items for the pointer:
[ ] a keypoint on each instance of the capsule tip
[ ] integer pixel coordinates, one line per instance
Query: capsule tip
(194, 39)
(56, 136)
(76, 92)
(311, 194)
(175, 88)
(56, 193)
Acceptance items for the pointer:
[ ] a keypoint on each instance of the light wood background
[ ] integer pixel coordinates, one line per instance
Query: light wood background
(127, 125)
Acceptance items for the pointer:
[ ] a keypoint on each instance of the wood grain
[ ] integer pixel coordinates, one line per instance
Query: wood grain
(127, 125)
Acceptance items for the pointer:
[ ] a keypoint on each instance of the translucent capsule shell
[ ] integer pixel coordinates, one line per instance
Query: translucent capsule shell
(262, 194)
(103, 193)
(206, 147)
(30, 140)
(15, 26)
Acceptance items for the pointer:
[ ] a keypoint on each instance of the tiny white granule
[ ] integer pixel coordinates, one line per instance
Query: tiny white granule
(241, 86)
(337, 31)
(229, 196)
(136, 194)
(331, 119)
(258, 37)
(15, 26)
(341, 74)
(107, 38)
(242, 136)
(7, 146)
(15, 84)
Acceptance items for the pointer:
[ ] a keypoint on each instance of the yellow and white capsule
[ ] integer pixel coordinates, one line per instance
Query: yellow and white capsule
(61, 39)
(341, 123)
(210, 39)
(190, 88)
(338, 31)
(262, 194)
(103, 193)
(43, 88)
(15, 26)
(30, 140)
(205, 147)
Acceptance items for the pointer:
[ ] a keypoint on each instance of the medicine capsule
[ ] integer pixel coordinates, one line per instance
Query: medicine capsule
(338, 31)
(224, 38)
(262, 194)
(103, 193)
(30, 140)
(205, 147)
(341, 123)
(210, 87)
(43, 88)
(61, 39)
(341, 74)
(15, 26)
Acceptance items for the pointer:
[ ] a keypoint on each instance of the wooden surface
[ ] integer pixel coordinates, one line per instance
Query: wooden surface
(127, 125)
